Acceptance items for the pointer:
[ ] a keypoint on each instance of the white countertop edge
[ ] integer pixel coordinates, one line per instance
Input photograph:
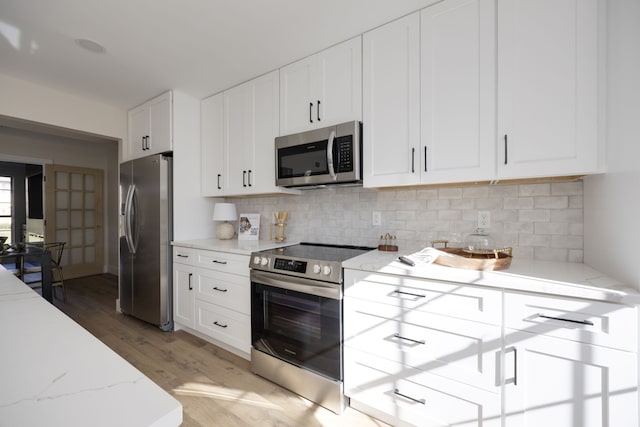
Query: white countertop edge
(234, 246)
(547, 277)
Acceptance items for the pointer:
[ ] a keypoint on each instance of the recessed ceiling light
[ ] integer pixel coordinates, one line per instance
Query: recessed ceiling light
(90, 45)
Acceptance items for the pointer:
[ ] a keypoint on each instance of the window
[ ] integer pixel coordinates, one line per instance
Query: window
(6, 206)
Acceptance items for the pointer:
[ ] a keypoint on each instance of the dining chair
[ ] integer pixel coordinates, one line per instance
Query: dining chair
(56, 249)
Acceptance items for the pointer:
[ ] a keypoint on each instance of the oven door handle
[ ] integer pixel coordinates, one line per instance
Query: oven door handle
(297, 284)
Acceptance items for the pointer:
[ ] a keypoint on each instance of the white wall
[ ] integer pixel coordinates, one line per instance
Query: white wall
(612, 201)
(26, 146)
(28, 101)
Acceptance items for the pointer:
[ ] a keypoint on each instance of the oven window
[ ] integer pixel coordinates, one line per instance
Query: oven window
(303, 160)
(301, 328)
(295, 315)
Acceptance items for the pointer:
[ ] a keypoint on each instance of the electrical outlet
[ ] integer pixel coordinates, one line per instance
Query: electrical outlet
(484, 219)
(376, 218)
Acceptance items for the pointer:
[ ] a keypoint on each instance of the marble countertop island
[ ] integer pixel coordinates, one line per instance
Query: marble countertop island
(55, 373)
(557, 278)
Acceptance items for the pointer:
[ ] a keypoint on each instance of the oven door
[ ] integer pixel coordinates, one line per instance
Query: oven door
(299, 321)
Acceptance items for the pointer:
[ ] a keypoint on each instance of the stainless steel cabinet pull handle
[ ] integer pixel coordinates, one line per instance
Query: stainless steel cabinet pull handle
(409, 293)
(581, 322)
(244, 178)
(219, 188)
(409, 339)
(147, 145)
(318, 110)
(506, 157)
(413, 160)
(249, 177)
(142, 142)
(219, 262)
(220, 324)
(215, 288)
(310, 108)
(190, 286)
(421, 401)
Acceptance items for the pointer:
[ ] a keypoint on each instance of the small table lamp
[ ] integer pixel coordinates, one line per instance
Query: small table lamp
(225, 212)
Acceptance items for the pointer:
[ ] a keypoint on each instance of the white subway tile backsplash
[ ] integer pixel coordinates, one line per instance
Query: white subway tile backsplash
(540, 221)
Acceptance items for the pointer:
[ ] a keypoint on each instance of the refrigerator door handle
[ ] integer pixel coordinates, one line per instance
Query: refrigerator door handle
(135, 232)
(127, 219)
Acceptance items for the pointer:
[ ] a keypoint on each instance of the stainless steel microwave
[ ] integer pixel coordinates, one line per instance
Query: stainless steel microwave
(326, 156)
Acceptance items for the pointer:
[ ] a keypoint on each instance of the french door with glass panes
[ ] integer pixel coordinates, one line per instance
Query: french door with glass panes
(74, 214)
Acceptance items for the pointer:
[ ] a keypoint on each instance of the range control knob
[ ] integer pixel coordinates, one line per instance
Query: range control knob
(326, 270)
(264, 260)
(316, 269)
(256, 260)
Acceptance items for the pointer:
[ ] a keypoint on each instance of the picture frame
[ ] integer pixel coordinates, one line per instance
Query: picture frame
(249, 226)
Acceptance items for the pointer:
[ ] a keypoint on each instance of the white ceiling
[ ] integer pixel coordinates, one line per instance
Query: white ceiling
(199, 47)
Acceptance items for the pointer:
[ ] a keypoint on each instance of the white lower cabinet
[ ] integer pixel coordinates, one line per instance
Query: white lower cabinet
(422, 352)
(211, 296)
(183, 295)
(555, 374)
(408, 362)
(556, 382)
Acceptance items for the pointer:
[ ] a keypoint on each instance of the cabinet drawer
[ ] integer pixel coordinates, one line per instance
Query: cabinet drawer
(228, 290)
(221, 261)
(394, 393)
(228, 326)
(447, 298)
(594, 322)
(458, 349)
(183, 255)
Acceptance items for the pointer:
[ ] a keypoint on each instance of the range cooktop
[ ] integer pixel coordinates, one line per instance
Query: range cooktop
(318, 261)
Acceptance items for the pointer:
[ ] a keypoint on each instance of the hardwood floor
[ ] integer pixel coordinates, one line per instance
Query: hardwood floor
(215, 387)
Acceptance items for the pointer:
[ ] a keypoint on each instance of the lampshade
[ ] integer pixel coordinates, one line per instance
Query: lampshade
(225, 212)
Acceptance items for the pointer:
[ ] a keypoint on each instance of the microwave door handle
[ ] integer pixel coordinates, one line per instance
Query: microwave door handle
(332, 172)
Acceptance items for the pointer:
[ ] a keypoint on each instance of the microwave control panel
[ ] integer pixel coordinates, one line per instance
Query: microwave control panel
(345, 154)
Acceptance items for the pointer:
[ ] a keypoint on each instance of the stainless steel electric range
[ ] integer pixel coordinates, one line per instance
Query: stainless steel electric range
(296, 319)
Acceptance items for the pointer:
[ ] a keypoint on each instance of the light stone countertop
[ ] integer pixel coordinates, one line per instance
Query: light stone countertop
(55, 373)
(234, 246)
(557, 278)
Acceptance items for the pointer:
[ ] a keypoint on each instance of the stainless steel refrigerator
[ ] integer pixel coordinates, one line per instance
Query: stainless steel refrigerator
(146, 231)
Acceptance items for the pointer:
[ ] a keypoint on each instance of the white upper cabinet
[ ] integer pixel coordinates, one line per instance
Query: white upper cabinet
(323, 89)
(150, 128)
(549, 53)
(251, 119)
(212, 149)
(391, 103)
(239, 127)
(458, 91)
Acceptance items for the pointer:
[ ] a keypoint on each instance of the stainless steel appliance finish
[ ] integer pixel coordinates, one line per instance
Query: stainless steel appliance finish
(146, 232)
(296, 319)
(326, 156)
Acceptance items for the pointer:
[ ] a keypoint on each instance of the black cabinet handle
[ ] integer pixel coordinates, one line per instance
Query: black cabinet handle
(580, 322)
(182, 256)
(219, 262)
(506, 157)
(409, 293)
(219, 188)
(244, 178)
(409, 339)
(425, 158)
(220, 324)
(318, 110)
(310, 112)
(190, 286)
(413, 160)
(249, 177)
(421, 401)
(215, 288)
